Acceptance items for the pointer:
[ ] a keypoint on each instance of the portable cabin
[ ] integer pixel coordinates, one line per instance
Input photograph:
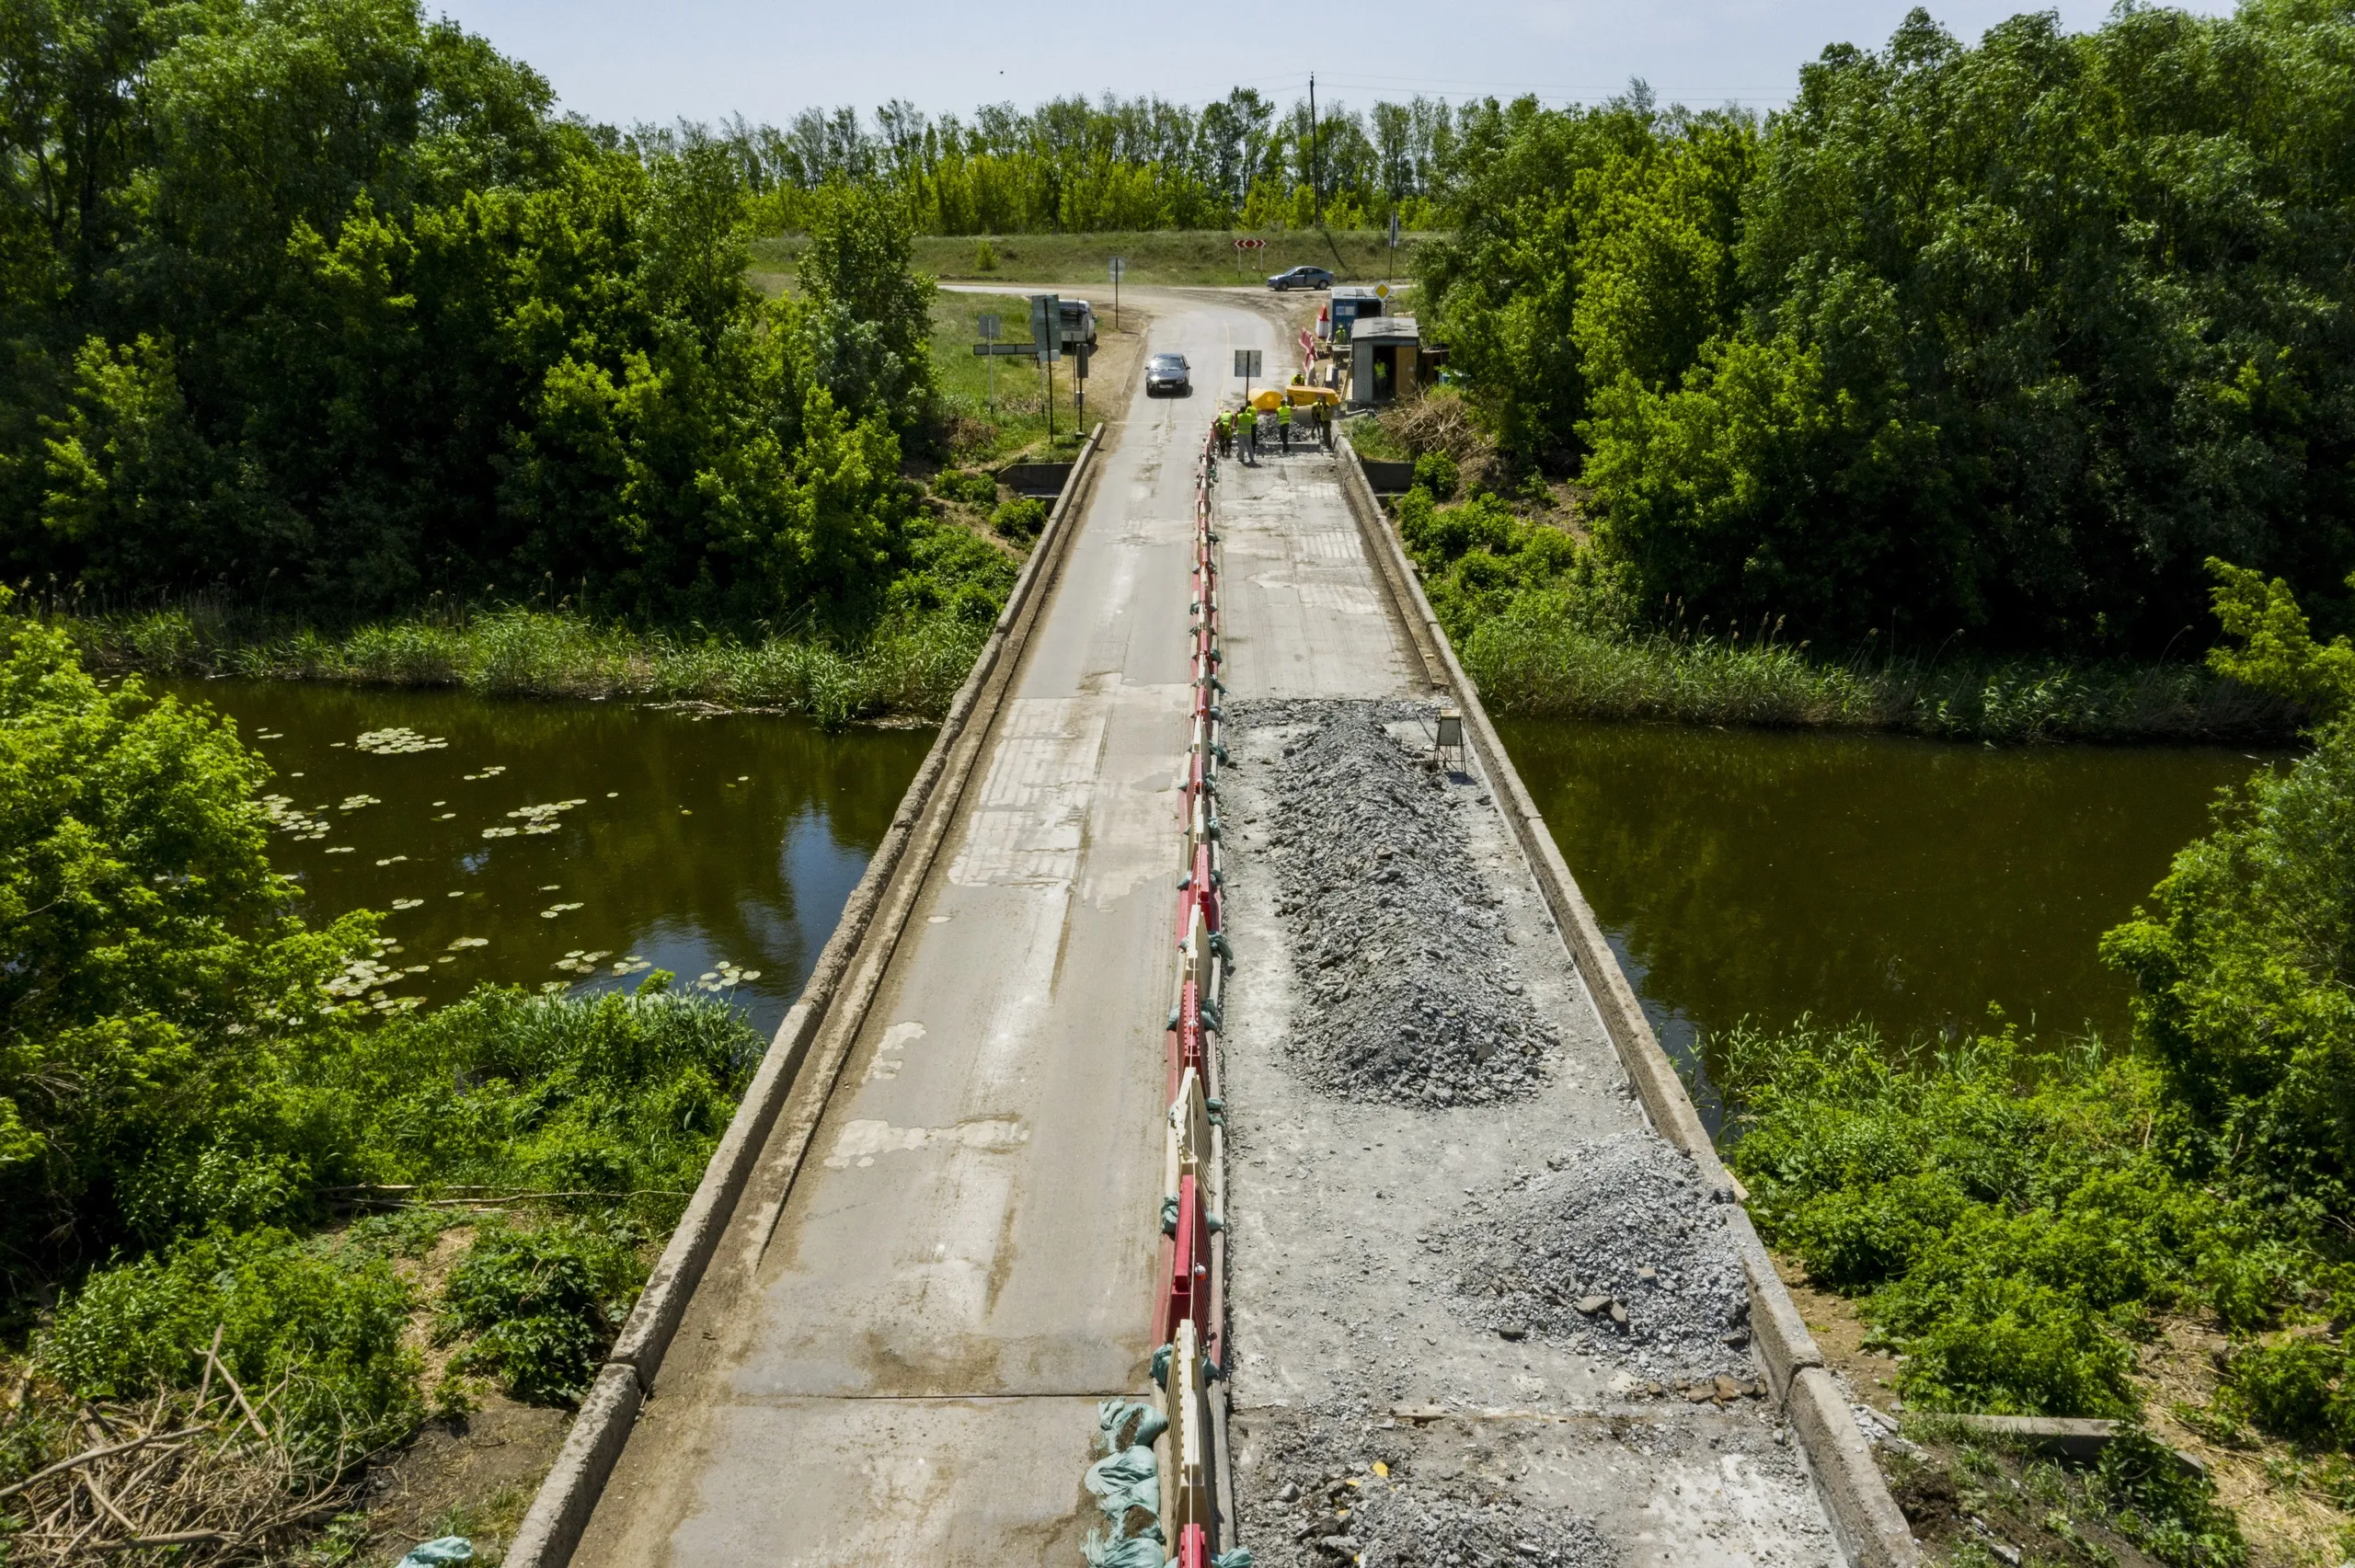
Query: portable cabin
(1351, 305)
(1385, 360)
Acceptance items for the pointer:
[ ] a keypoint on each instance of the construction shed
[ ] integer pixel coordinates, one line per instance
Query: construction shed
(1385, 361)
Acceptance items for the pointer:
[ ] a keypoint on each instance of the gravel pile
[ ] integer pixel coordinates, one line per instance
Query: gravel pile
(1616, 1244)
(1323, 1490)
(1412, 1525)
(1411, 989)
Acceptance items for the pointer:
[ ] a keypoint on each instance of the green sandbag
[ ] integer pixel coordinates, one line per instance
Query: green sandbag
(1134, 1551)
(1112, 1418)
(1130, 1478)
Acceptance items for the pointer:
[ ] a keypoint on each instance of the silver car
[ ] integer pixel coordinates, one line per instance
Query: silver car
(1301, 278)
(1169, 373)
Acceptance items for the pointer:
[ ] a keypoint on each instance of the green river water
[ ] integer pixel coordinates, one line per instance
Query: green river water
(722, 849)
(1760, 874)
(1771, 874)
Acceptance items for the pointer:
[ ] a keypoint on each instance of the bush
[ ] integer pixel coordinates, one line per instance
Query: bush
(1021, 518)
(620, 1097)
(2241, 977)
(2167, 1508)
(543, 1304)
(1999, 1213)
(332, 1317)
(2299, 1390)
(970, 486)
(1436, 472)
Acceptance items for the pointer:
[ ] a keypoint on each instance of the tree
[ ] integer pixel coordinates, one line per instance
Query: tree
(159, 990)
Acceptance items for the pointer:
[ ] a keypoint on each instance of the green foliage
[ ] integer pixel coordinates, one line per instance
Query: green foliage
(1548, 627)
(2277, 651)
(968, 485)
(542, 1305)
(2000, 341)
(2297, 1389)
(617, 1099)
(317, 303)
(330, 1319)
(160, 996)
(2010, 1221)
(2165, 1507)
(2003, 1216)
(2241, 986)
(1589, 245)
(1073, 165)
(1436, 473)
(1020, 518)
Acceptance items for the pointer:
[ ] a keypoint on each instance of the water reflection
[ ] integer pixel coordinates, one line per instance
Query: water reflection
(709, 846)
(1771, 874)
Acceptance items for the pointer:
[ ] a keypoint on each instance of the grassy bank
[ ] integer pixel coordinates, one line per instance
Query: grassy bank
(912, 669)
(2156, 1235)
(1546, 627)
(1528, 663)
(1197, 258)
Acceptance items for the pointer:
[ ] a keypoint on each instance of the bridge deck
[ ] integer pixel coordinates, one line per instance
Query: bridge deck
(902, 1370)
(895, 1361)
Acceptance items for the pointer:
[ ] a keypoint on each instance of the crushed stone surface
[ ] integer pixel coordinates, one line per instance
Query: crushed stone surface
(1615, 1244)
(1309, 1505)
(1412, 989)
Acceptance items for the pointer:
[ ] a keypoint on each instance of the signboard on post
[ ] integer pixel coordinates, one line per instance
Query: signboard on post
(1047, 324)
(1119, 271)
(1246, 364)
(991, 328)
(1047, 338)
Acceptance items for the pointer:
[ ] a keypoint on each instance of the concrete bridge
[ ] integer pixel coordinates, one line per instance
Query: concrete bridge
(936, 1239)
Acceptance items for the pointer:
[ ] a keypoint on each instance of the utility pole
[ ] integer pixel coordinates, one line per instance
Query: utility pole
(1316, 184)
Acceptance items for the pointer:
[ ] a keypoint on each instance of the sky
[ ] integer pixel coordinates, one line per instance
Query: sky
(625, 60)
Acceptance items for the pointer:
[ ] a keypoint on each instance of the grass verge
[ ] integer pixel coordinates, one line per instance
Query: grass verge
(1005, 420)
(1531, 663)
(910, 669)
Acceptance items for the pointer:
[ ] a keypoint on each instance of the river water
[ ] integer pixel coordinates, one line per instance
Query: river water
(1771, 874)
(580, 844)
(1739, 874)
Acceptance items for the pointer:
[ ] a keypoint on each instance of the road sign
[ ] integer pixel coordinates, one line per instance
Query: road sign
(1119, 271)
(1011, 351)
(1247, 243)
(991, 327)
(1394, 230)
(1119, 267)
(1047, 324)
(1246, 364)
(1382, 290)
